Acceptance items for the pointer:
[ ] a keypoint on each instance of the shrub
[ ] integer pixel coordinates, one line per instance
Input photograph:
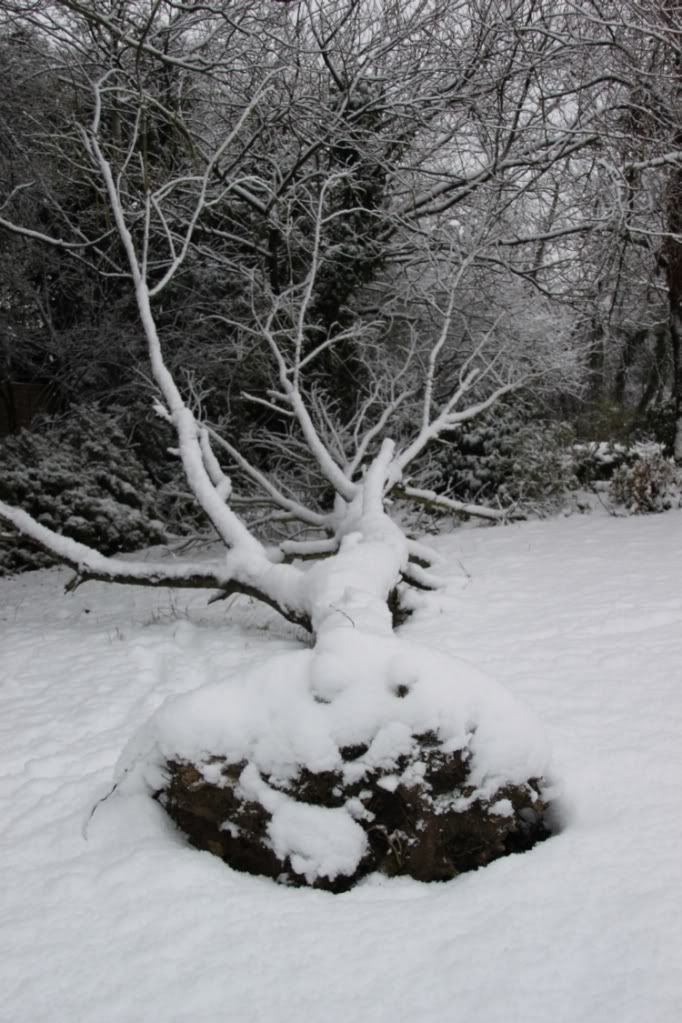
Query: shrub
(81, 475)
(597, 461)
(647, 482)
(507, 458)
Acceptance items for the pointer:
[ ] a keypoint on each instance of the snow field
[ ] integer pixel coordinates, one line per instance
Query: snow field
(111, 917)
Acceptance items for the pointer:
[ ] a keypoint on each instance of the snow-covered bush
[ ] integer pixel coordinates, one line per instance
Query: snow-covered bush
(637, 478)
(596, 461)
(508, 458)
(79, 475)
(648, 481)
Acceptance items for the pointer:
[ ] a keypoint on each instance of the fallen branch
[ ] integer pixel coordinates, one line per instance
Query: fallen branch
(91, 566)
(430, 498)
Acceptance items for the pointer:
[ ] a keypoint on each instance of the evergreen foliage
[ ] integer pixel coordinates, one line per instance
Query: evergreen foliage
(83, 475)
(508, 457)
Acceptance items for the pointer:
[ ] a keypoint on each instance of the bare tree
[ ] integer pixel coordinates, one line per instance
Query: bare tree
(316, 236)
(611, 249)
(357, 197)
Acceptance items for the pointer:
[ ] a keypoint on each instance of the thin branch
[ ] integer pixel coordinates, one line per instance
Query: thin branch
(287, 504)
(431, 499)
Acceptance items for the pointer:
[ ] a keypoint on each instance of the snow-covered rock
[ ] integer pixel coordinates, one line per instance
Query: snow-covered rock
(366, 752)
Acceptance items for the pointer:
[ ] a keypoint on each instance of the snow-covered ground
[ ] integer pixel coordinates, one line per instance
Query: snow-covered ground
(111, 917)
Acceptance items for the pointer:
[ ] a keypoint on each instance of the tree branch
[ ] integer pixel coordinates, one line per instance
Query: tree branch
(91, 566)
(431, 499)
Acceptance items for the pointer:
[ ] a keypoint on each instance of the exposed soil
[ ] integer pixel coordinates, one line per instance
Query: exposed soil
(431, 827)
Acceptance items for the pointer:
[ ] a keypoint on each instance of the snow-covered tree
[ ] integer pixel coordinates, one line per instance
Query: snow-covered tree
(298, 168)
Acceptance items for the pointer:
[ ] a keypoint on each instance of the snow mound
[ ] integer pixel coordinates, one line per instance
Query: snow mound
(357, 708)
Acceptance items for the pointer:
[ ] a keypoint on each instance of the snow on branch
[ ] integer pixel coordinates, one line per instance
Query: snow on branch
(220, 481)
(291, 394)
(449, 419)
(431, 498)
(375, 480)
(287, 504)
(228, 526)
(179, 258)
(89, 565)
(46, 239)
(421, 579)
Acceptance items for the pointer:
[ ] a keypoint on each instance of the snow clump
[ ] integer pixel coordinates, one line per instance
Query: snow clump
(358, 710)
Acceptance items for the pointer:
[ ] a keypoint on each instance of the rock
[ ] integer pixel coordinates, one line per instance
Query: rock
(422, 817)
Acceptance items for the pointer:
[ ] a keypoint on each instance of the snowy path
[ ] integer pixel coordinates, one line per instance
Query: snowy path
(117, 920)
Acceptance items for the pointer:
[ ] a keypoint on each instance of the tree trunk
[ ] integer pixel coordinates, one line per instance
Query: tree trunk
(366, 753)
(673, 269)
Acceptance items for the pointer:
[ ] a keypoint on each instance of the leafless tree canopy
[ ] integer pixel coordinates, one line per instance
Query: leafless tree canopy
(355, 224)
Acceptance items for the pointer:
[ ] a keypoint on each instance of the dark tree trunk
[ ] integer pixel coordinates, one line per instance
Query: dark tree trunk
(671, 13)
(673, 271)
